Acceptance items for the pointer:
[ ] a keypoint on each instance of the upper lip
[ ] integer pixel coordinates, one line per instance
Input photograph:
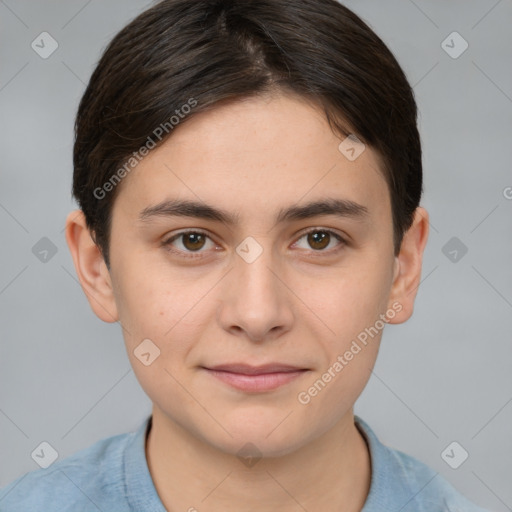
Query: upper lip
(255, 370)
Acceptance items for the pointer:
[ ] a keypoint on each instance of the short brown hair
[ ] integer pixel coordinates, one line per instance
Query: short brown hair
(203, 52)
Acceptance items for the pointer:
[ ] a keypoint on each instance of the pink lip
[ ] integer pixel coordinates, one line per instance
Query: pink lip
(256, 378)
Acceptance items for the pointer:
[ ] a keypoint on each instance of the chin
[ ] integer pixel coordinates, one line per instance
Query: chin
(264, 438)
(243, 447)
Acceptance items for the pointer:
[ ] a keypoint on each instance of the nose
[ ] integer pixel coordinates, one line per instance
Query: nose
(256, 302)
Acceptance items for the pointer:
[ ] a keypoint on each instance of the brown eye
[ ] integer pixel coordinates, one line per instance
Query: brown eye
(193, 241)
(187, 243)
(320, 239)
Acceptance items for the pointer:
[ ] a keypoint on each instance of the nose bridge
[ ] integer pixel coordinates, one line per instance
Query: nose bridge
(256, 281)
(256, 301)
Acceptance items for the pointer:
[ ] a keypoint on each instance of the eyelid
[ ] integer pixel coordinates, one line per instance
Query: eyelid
(313, 229)
(186, 231)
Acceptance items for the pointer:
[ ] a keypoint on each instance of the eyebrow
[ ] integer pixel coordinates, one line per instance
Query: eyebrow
(343, 208)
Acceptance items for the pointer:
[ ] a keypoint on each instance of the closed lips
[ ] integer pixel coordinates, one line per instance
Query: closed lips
(245, 369)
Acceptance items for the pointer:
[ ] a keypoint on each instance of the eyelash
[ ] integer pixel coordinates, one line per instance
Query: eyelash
(191, 255)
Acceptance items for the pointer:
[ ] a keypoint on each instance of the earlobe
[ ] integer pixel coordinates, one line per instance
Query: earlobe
(408, 265)
(90, 267)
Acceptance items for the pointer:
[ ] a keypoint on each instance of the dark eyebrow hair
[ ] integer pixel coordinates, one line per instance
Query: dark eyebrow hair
(186, 208)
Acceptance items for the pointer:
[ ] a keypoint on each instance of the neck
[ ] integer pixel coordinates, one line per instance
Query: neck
(330, 473)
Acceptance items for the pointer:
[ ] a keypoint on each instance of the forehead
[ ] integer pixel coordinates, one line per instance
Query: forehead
(253, 157)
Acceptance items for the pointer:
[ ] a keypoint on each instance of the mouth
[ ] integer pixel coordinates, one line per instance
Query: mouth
(255, 378)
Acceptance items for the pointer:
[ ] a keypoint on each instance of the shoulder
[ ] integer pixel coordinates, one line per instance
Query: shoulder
(90, 479)
(403, 482)
(431, 491)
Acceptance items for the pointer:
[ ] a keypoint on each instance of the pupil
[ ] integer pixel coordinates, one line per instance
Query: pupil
(193, 240)
(318, 237)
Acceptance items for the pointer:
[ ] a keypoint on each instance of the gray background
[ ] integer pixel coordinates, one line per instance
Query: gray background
(443, 376)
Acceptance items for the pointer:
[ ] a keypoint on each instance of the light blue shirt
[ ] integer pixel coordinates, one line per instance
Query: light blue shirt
(112, 475)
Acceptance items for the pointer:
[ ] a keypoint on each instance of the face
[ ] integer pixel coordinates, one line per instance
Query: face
(271, 282)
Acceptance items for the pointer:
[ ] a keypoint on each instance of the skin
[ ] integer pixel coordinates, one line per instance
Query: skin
(297, 303)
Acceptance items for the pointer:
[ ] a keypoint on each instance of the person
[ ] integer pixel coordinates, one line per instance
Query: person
(249, 176)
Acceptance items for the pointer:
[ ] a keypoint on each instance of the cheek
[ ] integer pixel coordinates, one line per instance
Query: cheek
(158, 335)
(332, 393)
(350, 303)
(163, 308)
(353, 311)
(150, 301)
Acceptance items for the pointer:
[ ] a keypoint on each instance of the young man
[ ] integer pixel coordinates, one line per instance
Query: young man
(249, 176)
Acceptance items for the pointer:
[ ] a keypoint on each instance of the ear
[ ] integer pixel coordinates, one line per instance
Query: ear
(408, 265)
(90, 267)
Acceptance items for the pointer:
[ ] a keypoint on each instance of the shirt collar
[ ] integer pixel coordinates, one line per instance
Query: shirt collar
(139, 487)
(390, 484)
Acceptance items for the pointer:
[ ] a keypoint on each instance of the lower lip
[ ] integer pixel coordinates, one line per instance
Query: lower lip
(261, 382)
